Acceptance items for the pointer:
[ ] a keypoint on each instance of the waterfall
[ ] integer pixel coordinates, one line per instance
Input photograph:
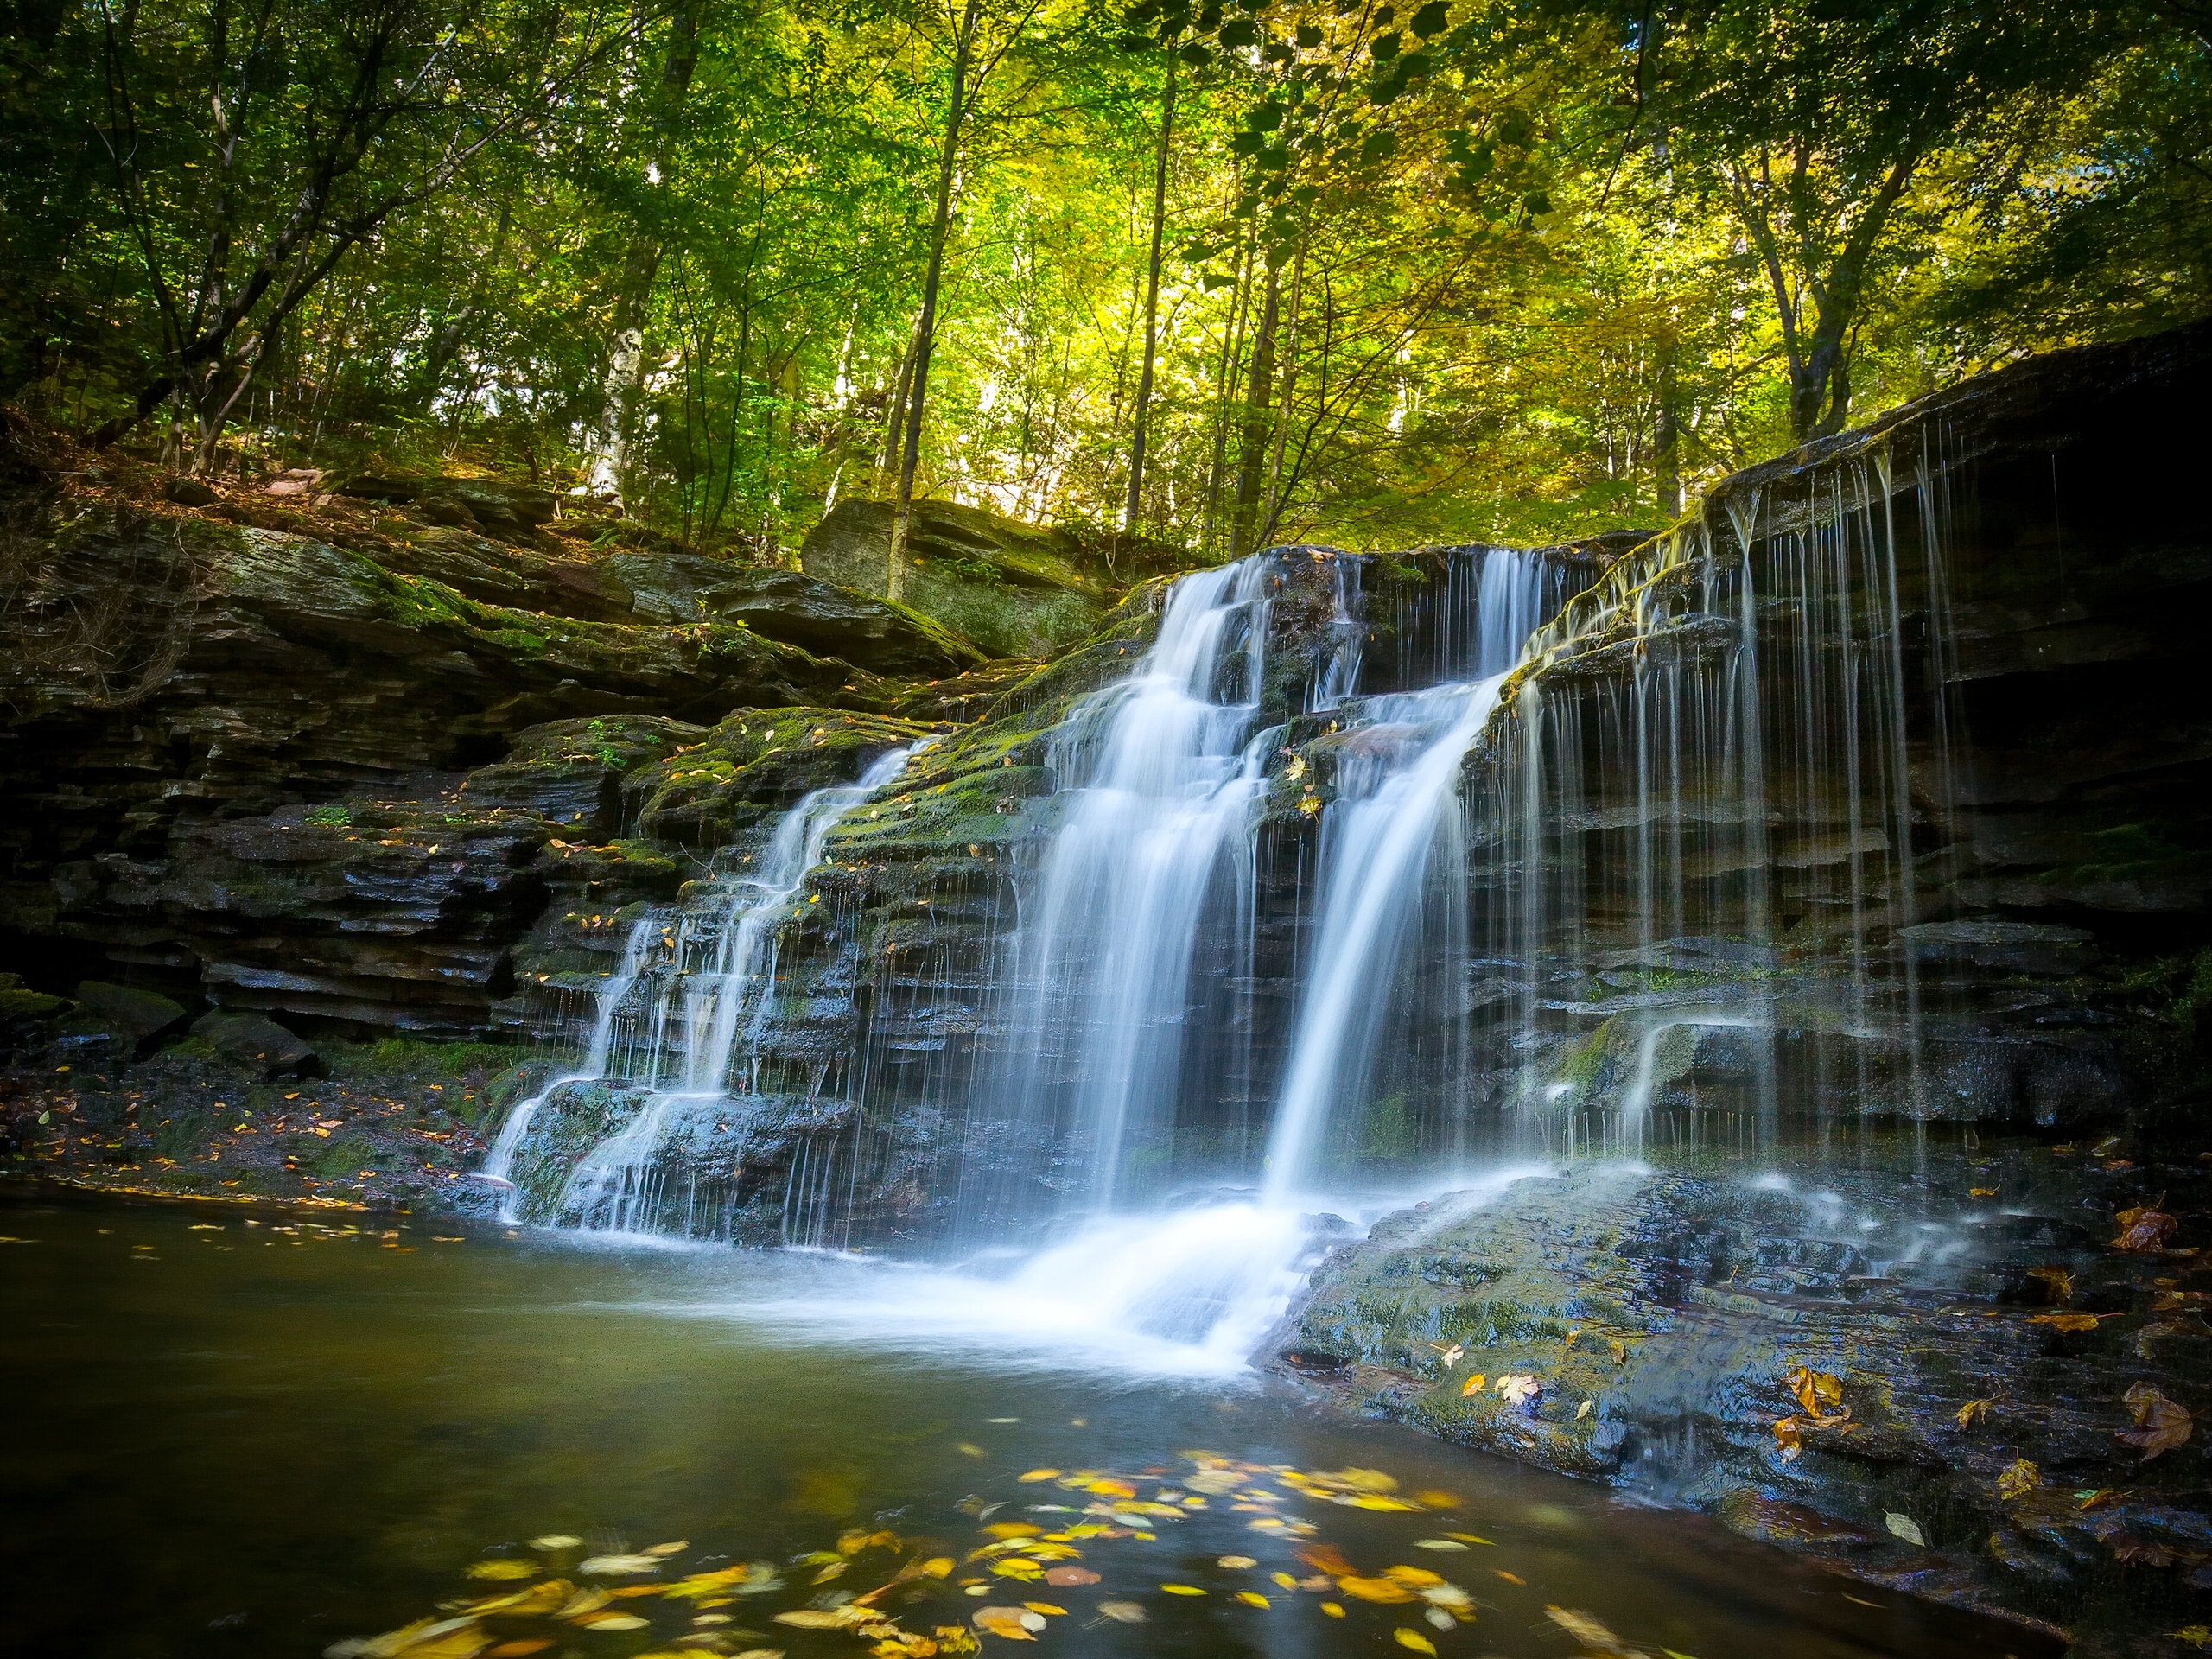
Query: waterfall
(669, 1021)
(1157, 777)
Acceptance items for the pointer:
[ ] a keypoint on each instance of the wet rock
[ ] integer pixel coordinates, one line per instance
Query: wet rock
(257, 1045)
(831, 622)
(141, 1018)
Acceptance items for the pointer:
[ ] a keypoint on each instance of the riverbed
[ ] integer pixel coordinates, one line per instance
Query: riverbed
(271, 1433)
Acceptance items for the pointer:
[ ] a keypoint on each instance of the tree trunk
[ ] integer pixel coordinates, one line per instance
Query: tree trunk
(1252, 447)
(925, 330)
(1151, 305)
(1668, 438)
(607, 453)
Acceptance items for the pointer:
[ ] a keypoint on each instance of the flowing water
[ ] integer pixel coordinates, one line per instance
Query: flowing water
(263, 1435)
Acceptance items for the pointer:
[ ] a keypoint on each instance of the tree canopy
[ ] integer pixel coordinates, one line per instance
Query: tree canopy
(1355, 271)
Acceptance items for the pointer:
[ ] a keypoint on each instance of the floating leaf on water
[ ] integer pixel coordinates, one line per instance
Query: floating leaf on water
(1018, 1567)
(584, 1601)
(1414, 1639)
(972, 1451)
(1584, 1628)
(1182, 1589)
(427, 1638)
(538, 1599)
(557, 1541)
(618, 1566)
(1982, 1191)
(1451, 1597)
(1333, 1609)
(2160, 1424)
(1413, 1577)
(1373, 1500)
(1356, 1480)
(832, 1619)
(1973, 1411)
(1438, 1500)
(1238, 1561)
(1040, 1474)
(502, 1569)
(2197, 1635)
(1438, 1543)
(2020, 1478)
(1014, 1624)
(1013, 1529)
(1325, 1558)
(1376, 1590)
(1284, 1580)
(1110, 1488)
(612, 1622)
(1440, 1619)
(1069, 1577)
(1046, 1607)
(1469, 1538)
(1253, 1599)
(680, 1545)
(834, 1570)
(1904, 1527)
(520, 1647)
(1510, 1578)
(1123, 1612)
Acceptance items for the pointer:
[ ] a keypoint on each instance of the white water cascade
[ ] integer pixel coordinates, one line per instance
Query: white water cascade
(1161, 773)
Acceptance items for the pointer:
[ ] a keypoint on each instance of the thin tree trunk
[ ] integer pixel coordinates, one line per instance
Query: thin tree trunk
(606, 453)
(1289, 385)
(1151, 304)
(1252, 447)
(1667, 440)
(925, 330)
(895, 428)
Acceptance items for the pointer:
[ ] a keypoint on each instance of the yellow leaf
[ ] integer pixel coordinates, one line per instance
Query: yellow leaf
(1018, 1567)
(1469, 1538)
(2067, 1321)
(1982, 1191)
(1252, 1598)
(1415, 1640)
(1182, 1589)
(1123, 1612)
(1437, 1500)
(1816, 1391)
(1376, 1590)
(1333, 1609)
(1413, 1577)
(1369, 1501)
(1973, 1411)
(1585, 1629)
(837, 1618)
(1237, 1562)
(1013, 1529)
(1040, 1474)
(1046, 1607)
(1284, 1580)
(612, 1622)
(2021, 1478)
(502, 1569)
(1110, 1488)
(1013, 1624)
(972, 1451)
(1474, 1385)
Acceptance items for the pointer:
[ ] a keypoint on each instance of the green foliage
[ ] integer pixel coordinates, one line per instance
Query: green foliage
(1504, 269)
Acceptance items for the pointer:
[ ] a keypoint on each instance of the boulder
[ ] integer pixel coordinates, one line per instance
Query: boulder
(139, 1018)
(831, 622)
(490, 501)
(1015, 589)
(257, 1044)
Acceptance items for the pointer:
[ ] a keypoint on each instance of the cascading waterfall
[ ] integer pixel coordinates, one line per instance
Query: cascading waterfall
(669, 1022)
(1160, 775)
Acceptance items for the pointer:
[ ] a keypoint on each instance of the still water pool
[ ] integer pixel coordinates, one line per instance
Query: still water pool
(269, 1436)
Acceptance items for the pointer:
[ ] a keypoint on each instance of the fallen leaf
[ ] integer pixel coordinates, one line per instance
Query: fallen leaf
(1973, 1411)
(1982, 1191)
(1510, 1578)
(1469, 1538)
(1519, 1390)
(1437, 1500)
(1438, 1543)
(1122, 1612)
(2160, 1424)
(502, 1569)
(519, 1648)
(677, 1547)
(1046, 1607)
(1068, 1578)
(2059, 1282)
(1904, 1527)
(1585, 1409)
(2126, 1546)
(1014, 1624)
(1412, 1639)
(1333, 1609)
(2019, 1477)
(1253, 1599)
(1384, 1591)
(1788, 1435)
(1473, 1385)
(2069, 1321)
(616, 1566)
(1237, 1561)
(1013, 1529)
(1182, 1589)
(1819, 1393)
(1040, 1474)
(557, 1541)
(2143, 1231)
(1584, 1628)
(1325, 1558)
(972, 1451)
(2197, 1635)
(612, 1622)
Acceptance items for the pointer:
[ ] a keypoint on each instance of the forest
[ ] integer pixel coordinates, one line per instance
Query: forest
(1218, 275)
